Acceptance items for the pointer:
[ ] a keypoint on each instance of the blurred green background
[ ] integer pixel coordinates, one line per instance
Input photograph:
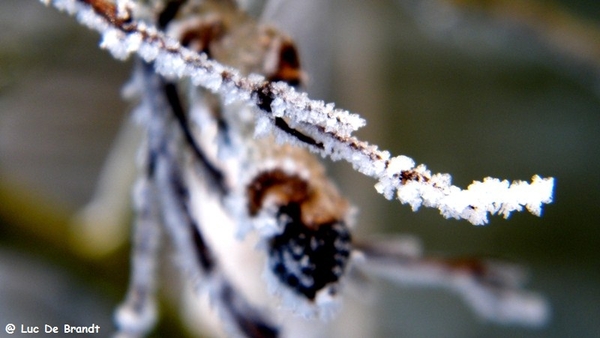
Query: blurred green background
(462, 91)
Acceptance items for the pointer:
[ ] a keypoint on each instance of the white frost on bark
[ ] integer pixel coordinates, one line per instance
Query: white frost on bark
(328, 129)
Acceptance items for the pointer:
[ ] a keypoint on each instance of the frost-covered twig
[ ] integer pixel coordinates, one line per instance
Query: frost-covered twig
(318, 126)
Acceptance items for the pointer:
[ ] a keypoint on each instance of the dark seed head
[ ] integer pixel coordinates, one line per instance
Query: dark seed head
(308, 259)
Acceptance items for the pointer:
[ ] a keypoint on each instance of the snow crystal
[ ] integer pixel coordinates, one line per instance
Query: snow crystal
(410, 194)
(148, 51)
(169, 65)
(400, 163)
(88, 17)
(541, 191)
(263, 126)
(213, 82)
(278, 107)
(114, 40)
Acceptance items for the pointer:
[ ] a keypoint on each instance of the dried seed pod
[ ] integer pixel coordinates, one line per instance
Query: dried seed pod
(311, 248)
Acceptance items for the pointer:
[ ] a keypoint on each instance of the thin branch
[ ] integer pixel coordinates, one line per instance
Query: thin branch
(493, 289)
(307, 119)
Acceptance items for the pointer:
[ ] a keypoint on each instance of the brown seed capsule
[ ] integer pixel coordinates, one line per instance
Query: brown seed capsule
(313, 248)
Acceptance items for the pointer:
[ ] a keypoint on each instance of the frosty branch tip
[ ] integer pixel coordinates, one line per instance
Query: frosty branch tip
(296, 119)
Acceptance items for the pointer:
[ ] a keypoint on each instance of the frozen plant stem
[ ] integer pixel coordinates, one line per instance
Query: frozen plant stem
(296, 119)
